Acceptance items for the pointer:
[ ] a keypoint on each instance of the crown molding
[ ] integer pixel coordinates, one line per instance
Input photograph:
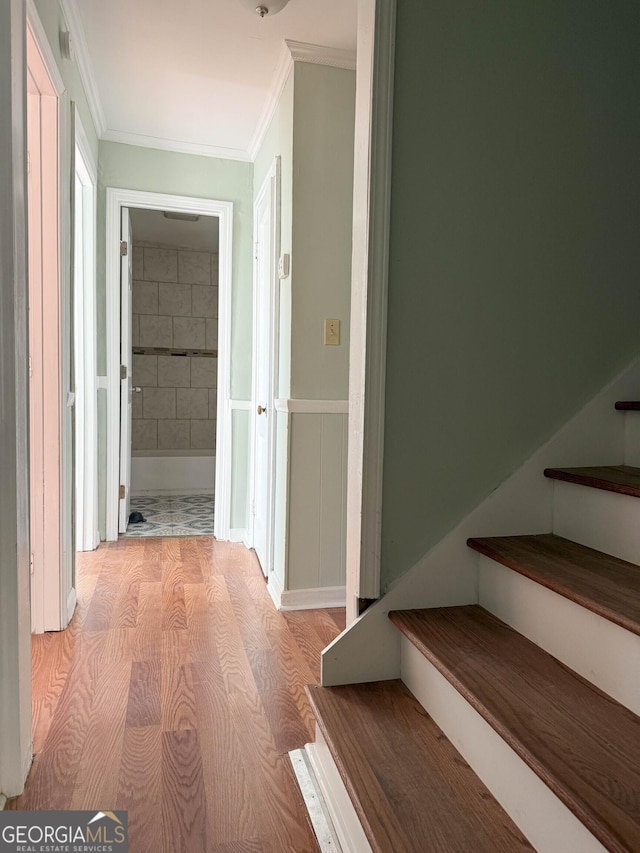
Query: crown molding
(278, 81)
(318, 54)
(295, 51)
(76, 28)
(178, 146)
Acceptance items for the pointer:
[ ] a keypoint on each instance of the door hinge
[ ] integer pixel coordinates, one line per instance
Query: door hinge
(30, 368)
(31, 563)
(123, 371)
(122, 492)
(124, 249)
(256, 250)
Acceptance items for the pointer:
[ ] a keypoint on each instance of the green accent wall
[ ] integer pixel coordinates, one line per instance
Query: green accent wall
(152, 170)
(515, 247)
(323, 131)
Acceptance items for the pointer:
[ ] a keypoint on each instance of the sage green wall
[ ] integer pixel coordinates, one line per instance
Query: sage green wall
(53, 22)
(514, 257)
(152, 170)
(323, 131)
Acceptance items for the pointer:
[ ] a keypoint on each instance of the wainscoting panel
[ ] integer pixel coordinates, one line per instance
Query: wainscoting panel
(317, 500)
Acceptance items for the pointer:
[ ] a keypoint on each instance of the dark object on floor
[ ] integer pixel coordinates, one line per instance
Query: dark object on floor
(136, 518)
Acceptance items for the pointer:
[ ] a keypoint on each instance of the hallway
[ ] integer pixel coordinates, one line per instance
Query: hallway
(175, 694)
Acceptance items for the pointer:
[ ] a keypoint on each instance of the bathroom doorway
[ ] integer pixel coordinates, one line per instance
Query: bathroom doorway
(174, 358)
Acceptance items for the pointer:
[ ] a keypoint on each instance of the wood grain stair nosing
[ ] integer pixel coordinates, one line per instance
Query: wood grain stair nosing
(491, 547)
(581, 807)
(620, 479)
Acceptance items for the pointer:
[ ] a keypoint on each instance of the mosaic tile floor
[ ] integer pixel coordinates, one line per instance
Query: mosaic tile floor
(173, 515)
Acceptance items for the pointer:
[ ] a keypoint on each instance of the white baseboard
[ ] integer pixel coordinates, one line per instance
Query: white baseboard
(341, 810)
(544, 819)
(172, 475)
(305, 599)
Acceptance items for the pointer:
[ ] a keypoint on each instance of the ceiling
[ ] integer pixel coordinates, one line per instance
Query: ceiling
(152, 226)
(194, 75)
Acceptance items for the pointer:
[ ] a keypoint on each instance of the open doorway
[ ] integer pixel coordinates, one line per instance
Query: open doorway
(174, 356)
(159, 349)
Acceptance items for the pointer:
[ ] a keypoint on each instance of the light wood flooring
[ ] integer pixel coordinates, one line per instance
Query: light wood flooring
(175, 694)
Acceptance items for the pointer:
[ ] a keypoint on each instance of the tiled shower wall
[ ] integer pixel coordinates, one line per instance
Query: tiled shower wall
(175, 306)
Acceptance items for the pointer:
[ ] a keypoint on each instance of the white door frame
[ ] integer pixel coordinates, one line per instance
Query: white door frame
(52, 592)
(117, 199)
(369, 286)
(271, 184)
(86, 405)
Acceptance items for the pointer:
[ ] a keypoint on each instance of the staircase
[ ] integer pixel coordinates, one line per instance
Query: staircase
(516, 722)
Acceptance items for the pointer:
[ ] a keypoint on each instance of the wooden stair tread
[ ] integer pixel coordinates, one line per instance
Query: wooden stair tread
(622, 479)
(584, 745)
(411, 788)
(628, 405)
(603, 584)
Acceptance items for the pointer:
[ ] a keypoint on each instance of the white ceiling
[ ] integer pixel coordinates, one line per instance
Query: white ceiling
(195, 74)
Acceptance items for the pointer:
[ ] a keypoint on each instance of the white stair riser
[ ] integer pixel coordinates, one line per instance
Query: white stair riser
(548, 824)
(602, 520)
(599, 650)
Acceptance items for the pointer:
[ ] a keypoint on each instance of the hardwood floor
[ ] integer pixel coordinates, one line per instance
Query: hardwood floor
(175, 694)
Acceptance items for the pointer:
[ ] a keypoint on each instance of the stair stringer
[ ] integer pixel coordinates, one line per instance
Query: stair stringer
(369, 648)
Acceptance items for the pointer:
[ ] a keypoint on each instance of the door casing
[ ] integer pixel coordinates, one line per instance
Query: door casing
(116, 199)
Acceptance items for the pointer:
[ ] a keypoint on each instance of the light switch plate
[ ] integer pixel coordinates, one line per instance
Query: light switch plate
(332, 333)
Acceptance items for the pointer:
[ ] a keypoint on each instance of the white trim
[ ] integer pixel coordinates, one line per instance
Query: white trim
(312, 407)
(87, 529)
(343, 815)
(115, 200)
(82, 141)
(241, 405)
(72, 598)
(44, 47)
(306, 599)
(367, 355)
(294, 51)
(179, 145)
(83, 62)
(317, 54)
(280, 77)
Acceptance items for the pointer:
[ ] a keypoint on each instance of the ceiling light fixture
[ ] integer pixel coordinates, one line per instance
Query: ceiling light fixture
(183, 217)
(270, 7)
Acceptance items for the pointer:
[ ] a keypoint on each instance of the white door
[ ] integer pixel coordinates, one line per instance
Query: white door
(265, 235)
(126, 362)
